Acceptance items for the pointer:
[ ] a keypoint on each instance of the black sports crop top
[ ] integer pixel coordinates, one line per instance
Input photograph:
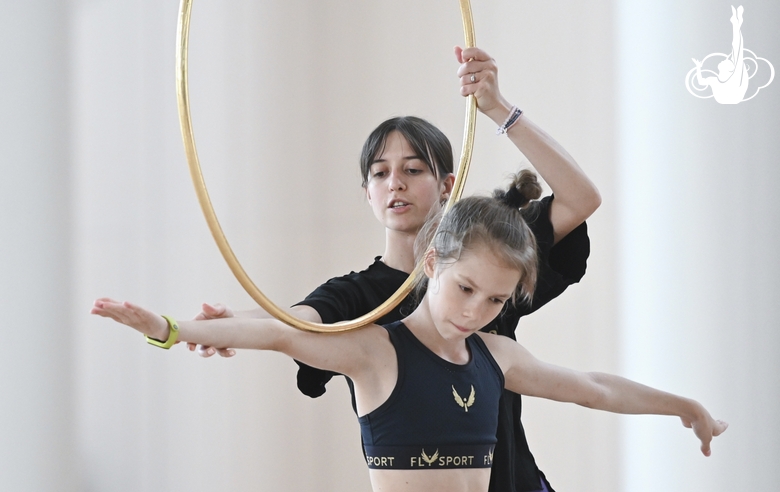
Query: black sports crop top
(440, 414)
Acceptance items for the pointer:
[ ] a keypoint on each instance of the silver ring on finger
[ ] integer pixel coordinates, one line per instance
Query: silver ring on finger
(473, 78)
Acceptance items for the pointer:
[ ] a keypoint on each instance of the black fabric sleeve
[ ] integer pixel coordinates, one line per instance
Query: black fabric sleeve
(311, 381)
(561, 264)
(334, 301)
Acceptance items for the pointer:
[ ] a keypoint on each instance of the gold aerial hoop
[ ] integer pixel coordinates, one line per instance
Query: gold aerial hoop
(185, 120)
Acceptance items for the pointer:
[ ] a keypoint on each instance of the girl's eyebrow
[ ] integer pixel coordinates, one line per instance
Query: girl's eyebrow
(468, 280)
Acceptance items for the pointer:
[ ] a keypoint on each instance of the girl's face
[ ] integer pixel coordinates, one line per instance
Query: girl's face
(466, 295)
(401, 188)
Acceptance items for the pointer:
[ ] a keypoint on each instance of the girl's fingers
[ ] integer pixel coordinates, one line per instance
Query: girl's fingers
(705, 438)
(104, 308)
(105, 314)
(126, 313)
(108, 305)
(706, 434)
(134, 308)
(104, 299)
(99, 303)
(720, 427)
(705, 449)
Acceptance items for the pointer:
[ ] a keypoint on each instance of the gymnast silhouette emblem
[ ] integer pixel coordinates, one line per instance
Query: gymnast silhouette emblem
(732, 81)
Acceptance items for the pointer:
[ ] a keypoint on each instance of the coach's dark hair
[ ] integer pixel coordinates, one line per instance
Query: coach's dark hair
(427, 141)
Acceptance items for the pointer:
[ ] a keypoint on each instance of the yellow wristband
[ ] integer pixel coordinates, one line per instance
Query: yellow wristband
(172, 336)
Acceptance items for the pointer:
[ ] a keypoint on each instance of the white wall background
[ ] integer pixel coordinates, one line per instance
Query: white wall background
(96, 200)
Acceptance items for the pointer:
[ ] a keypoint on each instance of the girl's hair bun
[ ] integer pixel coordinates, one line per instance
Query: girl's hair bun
(525, 187)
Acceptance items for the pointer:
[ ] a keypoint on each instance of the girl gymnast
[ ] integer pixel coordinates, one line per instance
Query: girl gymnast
(406, 166)
(427, 388)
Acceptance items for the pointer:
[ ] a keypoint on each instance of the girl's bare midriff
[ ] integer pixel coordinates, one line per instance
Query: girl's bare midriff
(469, 480)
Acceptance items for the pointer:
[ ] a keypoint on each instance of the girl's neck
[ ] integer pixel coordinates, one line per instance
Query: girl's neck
(399, 250)
(420, 323)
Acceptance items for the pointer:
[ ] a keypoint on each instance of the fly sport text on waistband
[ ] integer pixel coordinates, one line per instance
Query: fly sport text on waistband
(429, 457)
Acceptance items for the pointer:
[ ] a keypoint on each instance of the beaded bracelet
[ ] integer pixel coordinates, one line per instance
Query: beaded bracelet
(514, 115)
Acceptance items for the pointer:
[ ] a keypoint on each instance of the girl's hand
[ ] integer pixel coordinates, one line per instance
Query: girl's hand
(136, 317)
(212, 312)
(478, 74)
(705, 428)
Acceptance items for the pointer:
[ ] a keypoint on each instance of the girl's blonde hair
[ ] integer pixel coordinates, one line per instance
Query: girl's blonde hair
(495, 222)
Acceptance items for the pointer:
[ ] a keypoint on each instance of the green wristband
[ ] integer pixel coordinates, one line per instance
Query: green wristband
(172, 336)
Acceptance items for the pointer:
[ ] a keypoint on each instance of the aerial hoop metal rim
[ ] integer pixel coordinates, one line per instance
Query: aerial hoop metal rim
(188, 138)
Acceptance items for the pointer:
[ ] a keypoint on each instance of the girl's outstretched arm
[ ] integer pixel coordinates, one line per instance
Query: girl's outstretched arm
(576, 197)
(215, 311)
(527, 375)
(352, 353)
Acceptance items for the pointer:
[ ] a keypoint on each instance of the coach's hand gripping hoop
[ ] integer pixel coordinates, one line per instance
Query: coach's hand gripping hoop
(185, 120)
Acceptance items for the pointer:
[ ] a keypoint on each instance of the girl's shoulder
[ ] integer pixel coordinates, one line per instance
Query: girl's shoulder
(372, 333)
(491, 339)
(377, 339)
(505, 351)
(496, 344)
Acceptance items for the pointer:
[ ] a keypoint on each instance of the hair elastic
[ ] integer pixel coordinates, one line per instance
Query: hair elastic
(514, 115)
(515, 198)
